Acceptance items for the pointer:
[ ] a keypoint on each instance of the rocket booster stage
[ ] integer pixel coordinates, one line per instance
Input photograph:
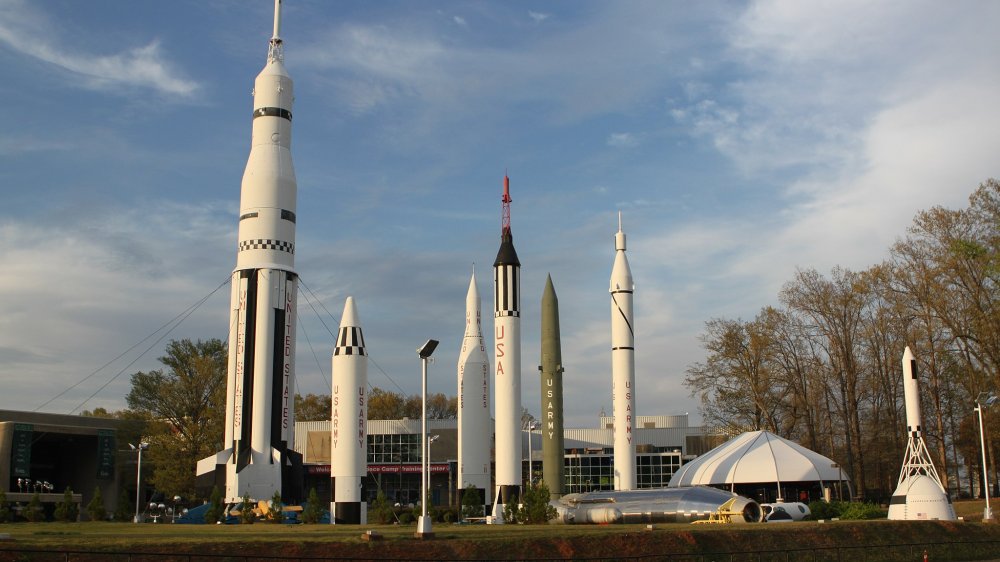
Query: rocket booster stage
(507, 334)
(349, 420)
(260, 422)
(474, 423)
(623, 364)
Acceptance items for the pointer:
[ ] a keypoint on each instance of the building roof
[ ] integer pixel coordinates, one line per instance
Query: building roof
(757, 457)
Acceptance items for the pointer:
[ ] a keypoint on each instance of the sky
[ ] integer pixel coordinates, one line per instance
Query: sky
(739, 140)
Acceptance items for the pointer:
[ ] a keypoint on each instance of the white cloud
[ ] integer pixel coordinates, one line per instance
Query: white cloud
(30, 32)
(460, 21)
(538, 17)
(622, 140)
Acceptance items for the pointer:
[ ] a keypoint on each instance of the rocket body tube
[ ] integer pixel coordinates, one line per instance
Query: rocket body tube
(474, 422)
(260, 421)
(349, 420)
(623, 366)
(553, 449)
(507, 379)
(911, 392)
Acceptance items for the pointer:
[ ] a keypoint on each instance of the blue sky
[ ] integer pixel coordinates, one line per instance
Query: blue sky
(739, 140)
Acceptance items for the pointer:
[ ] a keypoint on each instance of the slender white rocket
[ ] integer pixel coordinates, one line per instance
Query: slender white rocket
(474, 423)
(349, 420)
(507, 341)
(258, 459)
(623, 364)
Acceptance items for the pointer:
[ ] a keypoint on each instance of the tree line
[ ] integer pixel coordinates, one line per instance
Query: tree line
(824, 367)
(180, 411)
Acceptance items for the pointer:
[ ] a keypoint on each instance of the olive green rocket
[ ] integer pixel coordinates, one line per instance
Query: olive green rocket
(552, 394)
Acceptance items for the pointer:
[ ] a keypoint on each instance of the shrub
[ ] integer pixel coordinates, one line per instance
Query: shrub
(123, 510)
(381, 510)
(511, 512)
(34, 511)
(247, 515)
(862, 510)
(95, 509)
(6, 514)
(824, 510)
(66, 510)
(450, 516)
(406, 518)
(215, 509)
(535, 507)
(313, 511)
(274, 514)
(472, 504)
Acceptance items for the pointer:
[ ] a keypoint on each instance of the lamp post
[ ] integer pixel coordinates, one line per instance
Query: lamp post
(138, 475)
(532, 426)
(985, 399)
(424, 525)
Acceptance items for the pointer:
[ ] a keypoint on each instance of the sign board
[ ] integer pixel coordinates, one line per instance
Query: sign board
(20, 455)
(105, 454)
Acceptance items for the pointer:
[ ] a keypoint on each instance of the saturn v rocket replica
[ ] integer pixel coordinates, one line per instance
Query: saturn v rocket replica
(919, 493)
(258, 458)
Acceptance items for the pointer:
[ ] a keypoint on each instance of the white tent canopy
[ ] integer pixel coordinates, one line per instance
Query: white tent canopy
(757, 457)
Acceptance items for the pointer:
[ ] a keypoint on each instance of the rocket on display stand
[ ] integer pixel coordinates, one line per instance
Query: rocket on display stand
(623, 365)
(507, 338)
(919, 493)
(474, 422)
(349, 421)
(258, 458)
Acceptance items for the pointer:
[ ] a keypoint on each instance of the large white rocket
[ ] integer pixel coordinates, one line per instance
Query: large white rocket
(623, 364)
(919, 493)
(349, 420)
(258, 458)
(507, 338)
(474, 422)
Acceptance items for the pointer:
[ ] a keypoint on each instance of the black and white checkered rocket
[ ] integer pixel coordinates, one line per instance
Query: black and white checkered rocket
(258, 458)
(349, 420)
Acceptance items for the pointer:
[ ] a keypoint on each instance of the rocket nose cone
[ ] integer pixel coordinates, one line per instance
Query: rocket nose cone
(907, 354)
(350, 316)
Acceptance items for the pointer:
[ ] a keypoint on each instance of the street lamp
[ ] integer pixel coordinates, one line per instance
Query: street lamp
(424, 524)
(532, 426)
(138, 475)
(985, 399)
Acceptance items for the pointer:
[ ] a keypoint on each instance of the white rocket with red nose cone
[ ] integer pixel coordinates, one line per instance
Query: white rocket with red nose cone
(623, 365)
(260, 421)
(919, 494)
(349, 421)
(474, 423)
(507, 339)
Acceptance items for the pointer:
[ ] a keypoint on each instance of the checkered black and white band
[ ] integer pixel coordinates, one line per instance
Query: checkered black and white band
(264, 244)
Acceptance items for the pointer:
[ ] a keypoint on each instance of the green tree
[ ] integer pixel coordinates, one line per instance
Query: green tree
(313, 511)
(34, 511)
(247, 515)
(95, 509)
(535, 507)
(215, 509)
(381, 509)
(312, 407)
(274, 513)
(6, 514)
(472, 502)
(123, 509)
(186, 398)
(66, 510)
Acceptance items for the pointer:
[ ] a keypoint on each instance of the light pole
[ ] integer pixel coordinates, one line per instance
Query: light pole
(424, 525)
(138, 475)
(532, 426)
(985, 399)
